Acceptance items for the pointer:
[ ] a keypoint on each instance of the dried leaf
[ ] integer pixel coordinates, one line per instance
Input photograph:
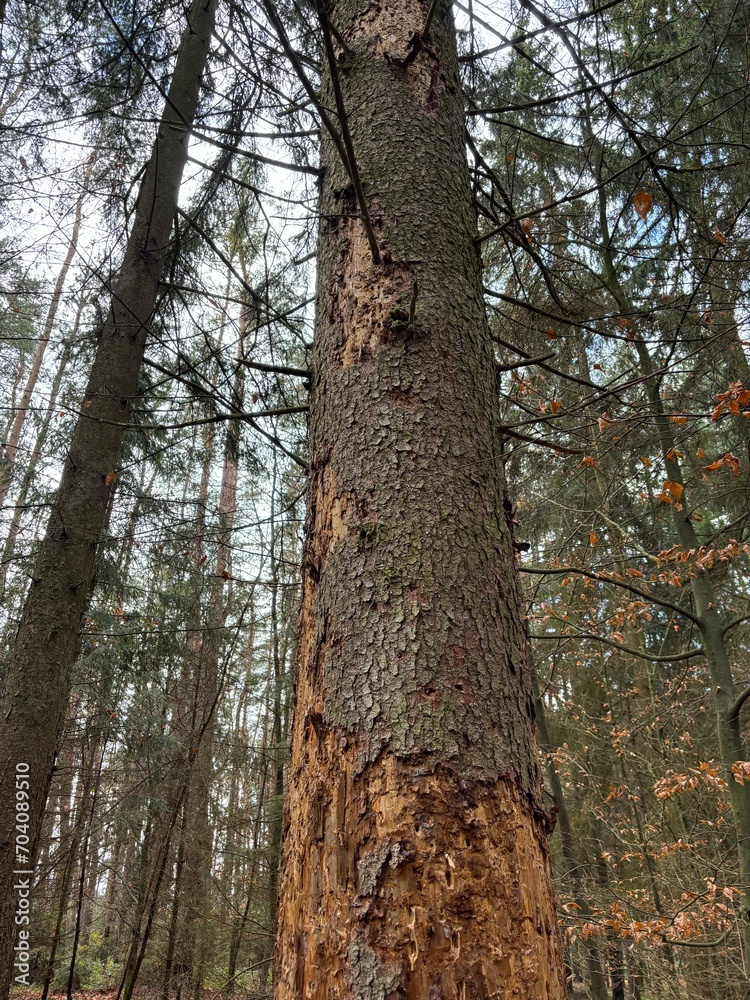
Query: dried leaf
(642, 203)
(555, 406)
(674, 488)
(678, 419)
(592, 538)
(733, 463)
(110, 478)
(551, 334)
(646, 461)
(588, 460)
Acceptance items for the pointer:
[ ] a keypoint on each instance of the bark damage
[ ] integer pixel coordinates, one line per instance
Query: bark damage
(415, 861)
(363, 296)
(412, 883)
(394, 32)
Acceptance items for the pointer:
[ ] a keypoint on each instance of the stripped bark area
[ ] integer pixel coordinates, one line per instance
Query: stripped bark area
(415, 861)
(413, 882)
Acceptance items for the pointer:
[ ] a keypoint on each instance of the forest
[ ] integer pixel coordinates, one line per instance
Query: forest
(374, 499)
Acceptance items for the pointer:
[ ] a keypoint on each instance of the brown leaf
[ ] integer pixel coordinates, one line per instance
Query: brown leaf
(733, 463)
(674, 488)
(588, 460)
(593, 538)
(642, 203)
(555, 406)
(551, 334)
(110, 478)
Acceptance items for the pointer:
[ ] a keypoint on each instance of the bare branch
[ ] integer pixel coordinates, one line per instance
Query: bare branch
(653, 657)
(604, 578)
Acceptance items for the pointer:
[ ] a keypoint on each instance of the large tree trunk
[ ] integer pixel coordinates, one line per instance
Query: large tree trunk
(415, 860)
(35, 695)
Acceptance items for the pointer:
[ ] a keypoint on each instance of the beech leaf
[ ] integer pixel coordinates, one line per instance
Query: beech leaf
(642, 203)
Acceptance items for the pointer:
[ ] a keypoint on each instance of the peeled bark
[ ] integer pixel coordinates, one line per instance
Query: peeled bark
(415, 861)
(35, 694)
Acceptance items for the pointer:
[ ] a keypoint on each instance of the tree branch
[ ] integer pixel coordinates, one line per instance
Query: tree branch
(603, 578)
(734, 711)
(653, 657)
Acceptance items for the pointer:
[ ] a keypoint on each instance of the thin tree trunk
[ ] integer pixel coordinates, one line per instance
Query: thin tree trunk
(597, 981)
(415, 859)
(19, 419)
(9, 547)
(708, 618)
(89, 795)
(110, 895)
(36, 686)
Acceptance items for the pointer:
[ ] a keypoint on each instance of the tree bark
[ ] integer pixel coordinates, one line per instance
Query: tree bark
(415, 861)
(35, 695)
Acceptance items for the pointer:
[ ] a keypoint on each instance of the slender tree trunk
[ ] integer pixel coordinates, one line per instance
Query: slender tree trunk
(415, 860)
(9, 547)
(597, 981)
(90, 783)
(36, 690)
(708, 617)
(19, 419)
(110, 895)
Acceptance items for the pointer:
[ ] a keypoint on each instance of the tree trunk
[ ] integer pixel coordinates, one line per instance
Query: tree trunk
(9, 547)
(19, 418)
(574, 868)
(36, 690)
(195, 873)
(415, 860)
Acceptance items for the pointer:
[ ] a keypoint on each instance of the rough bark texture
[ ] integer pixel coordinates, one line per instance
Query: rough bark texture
(35, 694)
(415, 860)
